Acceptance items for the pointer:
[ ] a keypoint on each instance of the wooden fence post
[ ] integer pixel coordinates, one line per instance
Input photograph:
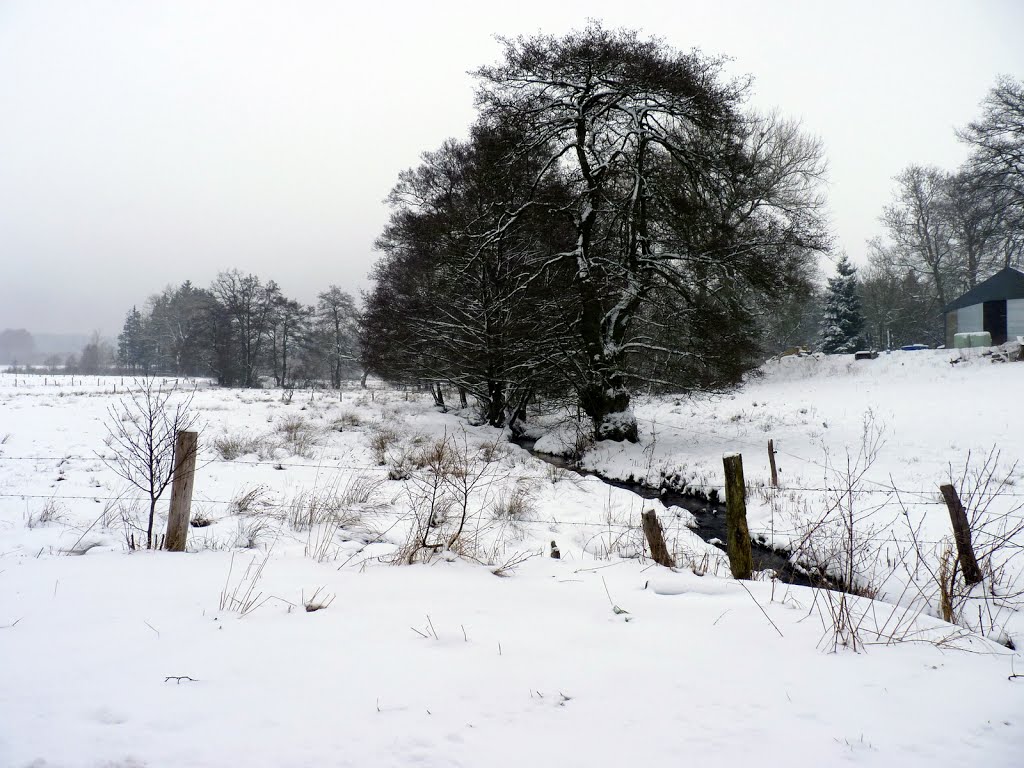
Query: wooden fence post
(185, 449)
(737, 534)
(771, 460)
(655, 539)
(962, 534)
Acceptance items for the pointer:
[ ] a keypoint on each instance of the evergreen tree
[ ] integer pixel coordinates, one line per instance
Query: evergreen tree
(843, 319)
(132, 345)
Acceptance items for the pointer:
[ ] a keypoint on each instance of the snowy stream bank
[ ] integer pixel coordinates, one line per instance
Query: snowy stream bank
(708, 517)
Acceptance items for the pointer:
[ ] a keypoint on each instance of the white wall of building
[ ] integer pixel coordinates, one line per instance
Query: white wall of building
(1014, 318)
(970, 319)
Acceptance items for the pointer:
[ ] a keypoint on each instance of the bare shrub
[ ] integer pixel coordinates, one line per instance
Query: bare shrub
(257, 500)
(232, 446)
(125, 513)
(242, 596)
(291, 426)
(299, 436)
(447, 495)
(309, 508)
(515, 505)
(618, 535)
(360, 489)
(50, 512)
(322, 539)
(346, 420)
(252, 532)
(402, 459)
(841, 543)
(997, 535)
(141, 430)
(380, 438)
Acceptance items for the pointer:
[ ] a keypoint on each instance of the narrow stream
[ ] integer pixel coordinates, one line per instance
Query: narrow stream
(710, 516)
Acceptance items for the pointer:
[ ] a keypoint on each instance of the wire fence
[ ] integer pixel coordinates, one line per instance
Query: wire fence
(885, 491)
(929, 496)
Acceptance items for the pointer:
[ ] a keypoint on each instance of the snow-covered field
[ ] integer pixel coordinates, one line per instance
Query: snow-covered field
(503, 656)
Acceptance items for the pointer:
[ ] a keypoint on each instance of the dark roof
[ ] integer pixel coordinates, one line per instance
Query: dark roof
(1005, 284)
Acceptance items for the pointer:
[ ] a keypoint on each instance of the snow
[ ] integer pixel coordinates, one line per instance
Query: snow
(933, 411)
(932, 414)
(446, 663)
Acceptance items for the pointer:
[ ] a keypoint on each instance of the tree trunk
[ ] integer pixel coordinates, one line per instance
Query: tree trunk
(149, 527)
(495, 403)
(438, 395)
(606, 402)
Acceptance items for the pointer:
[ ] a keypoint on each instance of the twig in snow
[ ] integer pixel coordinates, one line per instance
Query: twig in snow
(152, 627)
(615, 609)
(73, 549)
(179, 678)
(600, 567)
(760, 608)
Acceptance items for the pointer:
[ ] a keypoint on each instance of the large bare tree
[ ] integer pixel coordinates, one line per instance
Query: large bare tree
(997, 140)
(675, 191)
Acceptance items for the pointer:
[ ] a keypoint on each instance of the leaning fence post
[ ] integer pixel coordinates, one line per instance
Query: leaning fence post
(655, 539)
(961, 534)
(771, 460)
(185, 448)
(737, 535)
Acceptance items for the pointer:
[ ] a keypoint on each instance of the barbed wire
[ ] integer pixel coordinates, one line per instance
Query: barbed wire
(547, 523)
(887, 490)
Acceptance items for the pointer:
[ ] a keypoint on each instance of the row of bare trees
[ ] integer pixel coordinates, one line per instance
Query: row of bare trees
(946, 231)
(616, 219)
(240, 330)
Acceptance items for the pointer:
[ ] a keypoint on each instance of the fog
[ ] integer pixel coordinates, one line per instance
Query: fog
(146, 143)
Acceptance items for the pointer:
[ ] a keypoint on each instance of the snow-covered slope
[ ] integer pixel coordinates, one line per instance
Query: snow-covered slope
(597, 659)
(928, 414)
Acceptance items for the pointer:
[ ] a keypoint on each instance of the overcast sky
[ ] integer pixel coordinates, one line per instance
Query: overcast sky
(145, 142)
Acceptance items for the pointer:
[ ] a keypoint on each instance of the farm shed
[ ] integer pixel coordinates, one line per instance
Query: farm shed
(995, 305)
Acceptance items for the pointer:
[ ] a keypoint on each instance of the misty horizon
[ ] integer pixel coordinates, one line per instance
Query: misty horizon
(149, 144)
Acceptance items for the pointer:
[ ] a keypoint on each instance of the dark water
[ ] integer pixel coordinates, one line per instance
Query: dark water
(710, 516)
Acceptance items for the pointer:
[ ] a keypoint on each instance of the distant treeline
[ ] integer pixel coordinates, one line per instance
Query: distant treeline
(239, 331)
